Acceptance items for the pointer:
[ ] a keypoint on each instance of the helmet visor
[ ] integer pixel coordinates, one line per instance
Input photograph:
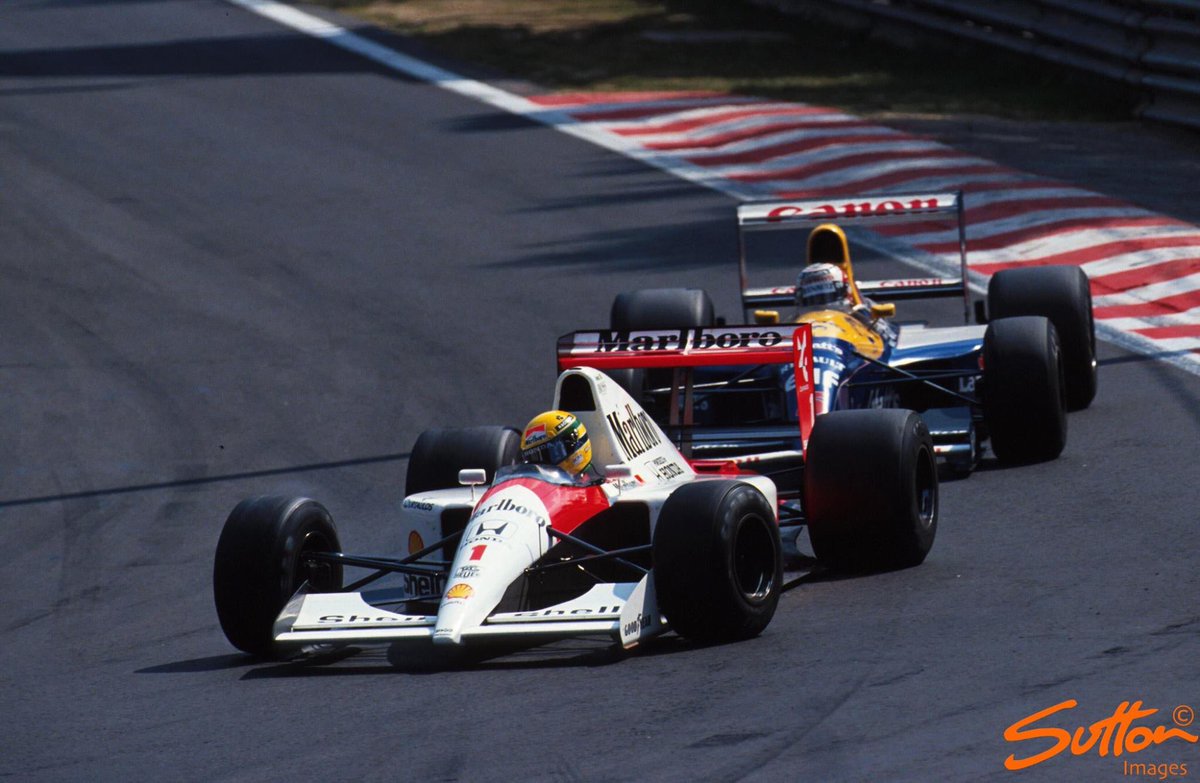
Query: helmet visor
(555, 450)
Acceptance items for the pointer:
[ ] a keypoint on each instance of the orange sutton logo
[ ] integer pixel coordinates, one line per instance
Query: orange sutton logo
(1114, 734)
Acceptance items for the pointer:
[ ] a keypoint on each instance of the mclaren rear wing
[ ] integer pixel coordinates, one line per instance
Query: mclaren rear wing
(847, 212)
(682, 350)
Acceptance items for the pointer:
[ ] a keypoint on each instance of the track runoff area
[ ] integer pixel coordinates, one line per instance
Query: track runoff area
(1144, 267)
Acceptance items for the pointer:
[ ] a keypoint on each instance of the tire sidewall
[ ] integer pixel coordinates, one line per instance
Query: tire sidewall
(696, 560)
(1024, 394)
(862, 496)
(257, 567)
(1063, 295)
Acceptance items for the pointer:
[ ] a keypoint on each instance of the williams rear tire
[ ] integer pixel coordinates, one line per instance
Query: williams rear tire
(662, 308)
(1062, 294)
(656, 308)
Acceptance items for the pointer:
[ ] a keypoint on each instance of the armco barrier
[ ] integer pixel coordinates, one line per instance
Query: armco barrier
(1151, 45)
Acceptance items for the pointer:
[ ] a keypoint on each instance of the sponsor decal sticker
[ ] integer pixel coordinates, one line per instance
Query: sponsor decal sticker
(494, 530)
(849, 209)
(420, 505)
(1121, 733)
(341, 619)
(697, 340)
(466, 572)
(636, 433)
(910, 282)
(535, 432)
(415, 542)
(460, 590)
(568, 612)
(636, 625)
(424, 585)
(665, 469)
(503, 505)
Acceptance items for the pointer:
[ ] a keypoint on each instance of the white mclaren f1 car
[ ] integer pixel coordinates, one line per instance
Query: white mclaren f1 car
(500, 550)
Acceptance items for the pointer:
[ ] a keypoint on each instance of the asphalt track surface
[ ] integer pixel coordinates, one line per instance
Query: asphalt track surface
(237, 260)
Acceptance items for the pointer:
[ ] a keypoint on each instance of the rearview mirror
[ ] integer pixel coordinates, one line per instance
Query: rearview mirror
(766, 317)
(885, 310)
(472, 477)
(618, 472)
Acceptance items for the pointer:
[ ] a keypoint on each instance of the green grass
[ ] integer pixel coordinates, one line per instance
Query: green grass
(596, 45)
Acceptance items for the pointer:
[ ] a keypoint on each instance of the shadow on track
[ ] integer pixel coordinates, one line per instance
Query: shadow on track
(1142, 357)
(211, 663)
(427, 660)
(190, 482)
(680, 247)
(279, 54)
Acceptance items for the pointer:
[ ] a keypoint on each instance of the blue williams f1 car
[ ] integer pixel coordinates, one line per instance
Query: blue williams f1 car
(816, 396)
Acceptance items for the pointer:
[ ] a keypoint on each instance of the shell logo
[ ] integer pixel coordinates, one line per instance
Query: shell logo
(415, 542)
(460, 590)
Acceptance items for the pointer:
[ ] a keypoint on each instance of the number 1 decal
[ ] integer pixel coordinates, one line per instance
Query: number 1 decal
(477, 552)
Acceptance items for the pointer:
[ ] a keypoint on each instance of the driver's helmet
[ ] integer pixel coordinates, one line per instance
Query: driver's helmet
(821, 284)
(557, 438)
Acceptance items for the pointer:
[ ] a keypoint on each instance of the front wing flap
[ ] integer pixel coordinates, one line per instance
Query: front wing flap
(344, 618)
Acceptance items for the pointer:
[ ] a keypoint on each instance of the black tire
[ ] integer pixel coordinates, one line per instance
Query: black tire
(656, 308)
(718, 561)
(1062, 294)
(1024, 393)
(440, 454)
(662, 308)
(871, 489)
(260, 564)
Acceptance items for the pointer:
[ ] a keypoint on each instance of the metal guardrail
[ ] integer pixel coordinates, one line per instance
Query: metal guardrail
(1151, 45)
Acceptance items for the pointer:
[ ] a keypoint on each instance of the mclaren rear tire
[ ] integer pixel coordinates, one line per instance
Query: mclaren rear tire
(871, 490)
(439, 454)
(718, 561)
(262, 561)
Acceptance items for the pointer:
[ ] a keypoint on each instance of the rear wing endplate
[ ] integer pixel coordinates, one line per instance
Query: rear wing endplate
(851, 211)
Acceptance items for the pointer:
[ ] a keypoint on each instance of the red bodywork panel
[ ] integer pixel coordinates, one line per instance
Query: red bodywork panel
(568, 506)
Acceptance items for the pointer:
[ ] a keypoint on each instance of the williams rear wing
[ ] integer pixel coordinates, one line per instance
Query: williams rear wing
(849, 212)
(683, 350)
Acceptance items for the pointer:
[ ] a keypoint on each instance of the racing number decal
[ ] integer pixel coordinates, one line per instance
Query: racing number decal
(477, 552)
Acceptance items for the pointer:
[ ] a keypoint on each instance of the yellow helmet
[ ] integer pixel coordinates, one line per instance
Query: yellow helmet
(557, 438)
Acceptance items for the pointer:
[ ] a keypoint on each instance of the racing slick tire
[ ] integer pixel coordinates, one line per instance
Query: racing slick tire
(871, 489)
(718, 561)
(260, 564)
(1062, 294)
(662, 308)
(439, 455)
(1024, 393)
(656, 308)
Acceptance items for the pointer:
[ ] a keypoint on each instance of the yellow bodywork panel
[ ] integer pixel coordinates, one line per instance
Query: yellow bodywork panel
(843, 326)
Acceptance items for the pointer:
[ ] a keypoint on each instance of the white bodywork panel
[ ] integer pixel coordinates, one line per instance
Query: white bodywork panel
(912, 336)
